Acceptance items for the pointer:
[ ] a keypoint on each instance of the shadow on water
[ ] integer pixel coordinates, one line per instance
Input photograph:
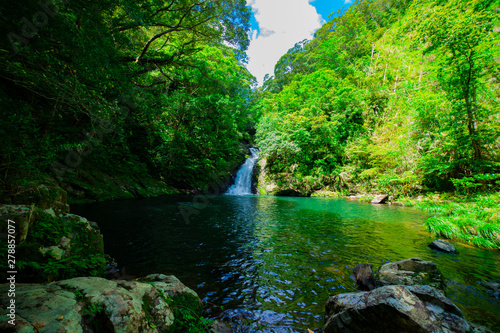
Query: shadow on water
(271, 263)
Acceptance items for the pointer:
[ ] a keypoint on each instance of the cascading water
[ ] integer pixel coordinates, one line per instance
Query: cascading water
(243, 183)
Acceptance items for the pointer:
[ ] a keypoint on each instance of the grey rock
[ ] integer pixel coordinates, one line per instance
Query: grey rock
(443, 246)
(394, 309)
(380, 199)
(411, 272)
(90, 304)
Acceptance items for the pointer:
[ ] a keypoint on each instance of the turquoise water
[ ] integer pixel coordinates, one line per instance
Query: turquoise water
(270, 263)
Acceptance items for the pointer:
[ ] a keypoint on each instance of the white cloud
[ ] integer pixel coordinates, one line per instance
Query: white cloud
(347, 2)
(282, 23)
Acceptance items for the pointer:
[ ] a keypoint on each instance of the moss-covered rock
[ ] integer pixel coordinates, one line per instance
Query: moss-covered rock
(52, 247)
(265, 185)
(43, 194)
(92, 304)
(411, 272)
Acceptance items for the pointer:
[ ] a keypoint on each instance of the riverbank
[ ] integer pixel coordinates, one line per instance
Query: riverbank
(472, 219)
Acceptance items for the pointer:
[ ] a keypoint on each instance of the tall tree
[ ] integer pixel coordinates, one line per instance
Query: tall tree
(460, 33)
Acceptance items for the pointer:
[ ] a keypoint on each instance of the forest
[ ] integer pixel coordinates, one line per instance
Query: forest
(151, 101)
(393, 97)
(116, 99)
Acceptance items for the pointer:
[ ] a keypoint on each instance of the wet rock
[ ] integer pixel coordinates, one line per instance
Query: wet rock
(364, 277)
(394, 309)
(220, 327)
(474, 328)
(443, 246)
(411, 272)
(494, 288)
(92, 304)
(380, 199)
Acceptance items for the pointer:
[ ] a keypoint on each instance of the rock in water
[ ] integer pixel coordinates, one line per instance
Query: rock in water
(92, 304)
(394, 309)
(380, 199)
(443, 246)
(364, 277)
(494, 287)
(411, 272)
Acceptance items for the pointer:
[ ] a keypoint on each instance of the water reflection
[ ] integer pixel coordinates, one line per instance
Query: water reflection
(272, 262)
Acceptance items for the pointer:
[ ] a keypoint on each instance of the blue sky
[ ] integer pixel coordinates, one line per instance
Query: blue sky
(278, 24)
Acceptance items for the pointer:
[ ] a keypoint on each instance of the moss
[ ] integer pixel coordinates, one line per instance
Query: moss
(147, 306)
(85, 255)
(366, 198)
(262, 191)
(187, 310)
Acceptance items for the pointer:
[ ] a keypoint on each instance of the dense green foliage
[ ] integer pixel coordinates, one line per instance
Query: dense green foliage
(397, 96)
(391, 96)
(46, 231)
(473, 219)
(156, 86)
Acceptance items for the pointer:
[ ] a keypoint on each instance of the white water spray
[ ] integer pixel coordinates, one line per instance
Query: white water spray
(243, 183)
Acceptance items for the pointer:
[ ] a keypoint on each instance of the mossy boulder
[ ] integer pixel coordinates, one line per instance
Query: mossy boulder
(43, 194)
(51, 247)
(92, 304)
(411, 272)
(285, 183)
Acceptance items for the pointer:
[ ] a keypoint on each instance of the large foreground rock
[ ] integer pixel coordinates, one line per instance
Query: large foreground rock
(92, 304)
(411, 272)
(394, 309)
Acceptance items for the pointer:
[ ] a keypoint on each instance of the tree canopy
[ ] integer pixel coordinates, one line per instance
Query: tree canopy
(154, 87)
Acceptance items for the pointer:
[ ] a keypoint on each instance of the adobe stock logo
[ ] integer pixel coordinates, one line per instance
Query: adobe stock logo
(31, 27)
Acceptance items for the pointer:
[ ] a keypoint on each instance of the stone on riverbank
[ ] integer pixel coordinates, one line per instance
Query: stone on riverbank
(411, 272)
(92, 304)
(380, 199)
(443, 246)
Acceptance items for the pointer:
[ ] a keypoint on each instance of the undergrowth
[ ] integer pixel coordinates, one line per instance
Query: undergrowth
(472, 219)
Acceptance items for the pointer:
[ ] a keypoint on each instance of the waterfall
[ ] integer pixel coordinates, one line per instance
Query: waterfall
(243, 183)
